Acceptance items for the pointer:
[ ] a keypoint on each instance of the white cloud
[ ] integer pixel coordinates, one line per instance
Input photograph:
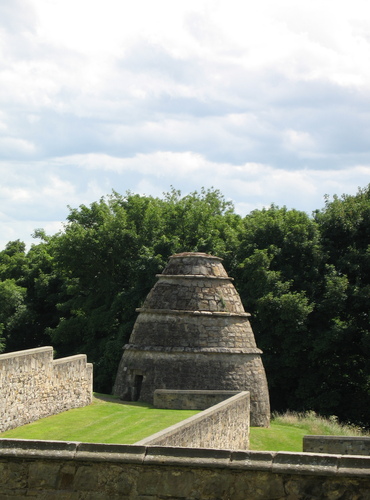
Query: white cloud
(267, 101)
(28, 203)
(23, 230)
(14, 145)
(160, 163)
(76, 45)
(299, 141)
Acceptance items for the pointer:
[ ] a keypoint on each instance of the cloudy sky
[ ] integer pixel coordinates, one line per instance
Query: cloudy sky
(267, 101)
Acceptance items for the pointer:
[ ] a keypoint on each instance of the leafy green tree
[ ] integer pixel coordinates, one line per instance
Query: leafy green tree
(13, 260)
(345, 228)
(305, 280)
(32, 276)
(109, 254)
(12, 309)
(281, 279)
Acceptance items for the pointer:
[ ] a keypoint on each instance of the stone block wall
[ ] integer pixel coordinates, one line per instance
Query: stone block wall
(195, 329)
(223, 426)
(166, 369)
(189, 400)
(342, 445)
(209, 294)
(80, 471)
(33, 385)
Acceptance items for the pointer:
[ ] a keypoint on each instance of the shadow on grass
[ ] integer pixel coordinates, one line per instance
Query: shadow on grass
(115, 399)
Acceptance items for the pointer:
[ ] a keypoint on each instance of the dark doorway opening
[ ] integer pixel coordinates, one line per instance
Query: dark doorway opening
(138, 381)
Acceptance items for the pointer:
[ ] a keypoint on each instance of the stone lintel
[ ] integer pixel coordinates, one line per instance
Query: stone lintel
(196, 350)
(192, 313)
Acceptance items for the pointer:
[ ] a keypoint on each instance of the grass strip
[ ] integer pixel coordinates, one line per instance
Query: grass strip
(102, 422)
(287, 430)
(108, 420)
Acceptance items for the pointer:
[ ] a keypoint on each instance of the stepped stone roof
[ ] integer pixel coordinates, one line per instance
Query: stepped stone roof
(192, 332)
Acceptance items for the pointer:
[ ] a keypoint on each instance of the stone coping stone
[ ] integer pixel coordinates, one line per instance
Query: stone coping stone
(197, 391)
(201, 457)
(60, 361)
(354, 465)
(72, 450)
(111, 452)
(195, 255)
(36, 448)
(344, 445)
(227, 350)
(256, 460)
(26, 352)
(187, 312)
(195, 403)
(163, 277)
(275, 462)
(305, 463)
(317, 437)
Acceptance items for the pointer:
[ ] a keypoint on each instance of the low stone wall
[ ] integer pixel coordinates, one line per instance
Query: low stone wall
(33, 385)
(223, 426)
(189, 400)
(80, 471)
(341, 445)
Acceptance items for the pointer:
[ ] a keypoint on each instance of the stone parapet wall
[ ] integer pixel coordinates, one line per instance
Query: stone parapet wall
(80, 471)
(33, 385)
(223, 426)
(342, 445)
(189, 400)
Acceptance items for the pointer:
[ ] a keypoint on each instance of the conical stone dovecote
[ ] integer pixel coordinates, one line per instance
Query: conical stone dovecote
(192, 333)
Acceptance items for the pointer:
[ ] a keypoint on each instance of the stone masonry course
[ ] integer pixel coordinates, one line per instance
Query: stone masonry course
(33, 385)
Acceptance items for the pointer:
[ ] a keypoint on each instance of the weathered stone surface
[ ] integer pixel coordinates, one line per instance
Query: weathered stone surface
(340, 445)
(223, 426)
(197, 294)
(33, 385)
(177, 473)
(180, 329)
(189, 400)
(192, 333)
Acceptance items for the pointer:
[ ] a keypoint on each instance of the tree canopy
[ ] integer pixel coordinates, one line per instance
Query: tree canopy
(305, 280)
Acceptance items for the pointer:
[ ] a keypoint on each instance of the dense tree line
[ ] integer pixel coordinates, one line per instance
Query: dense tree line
(305, 280)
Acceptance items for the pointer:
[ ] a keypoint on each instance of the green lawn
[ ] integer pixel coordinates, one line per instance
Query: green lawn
(287, 431)
(114, 422)
(102, 422)
(277, 438)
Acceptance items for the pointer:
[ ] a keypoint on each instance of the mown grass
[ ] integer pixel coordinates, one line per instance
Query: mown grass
(113, 422)
(102, 422)
(287, 430)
